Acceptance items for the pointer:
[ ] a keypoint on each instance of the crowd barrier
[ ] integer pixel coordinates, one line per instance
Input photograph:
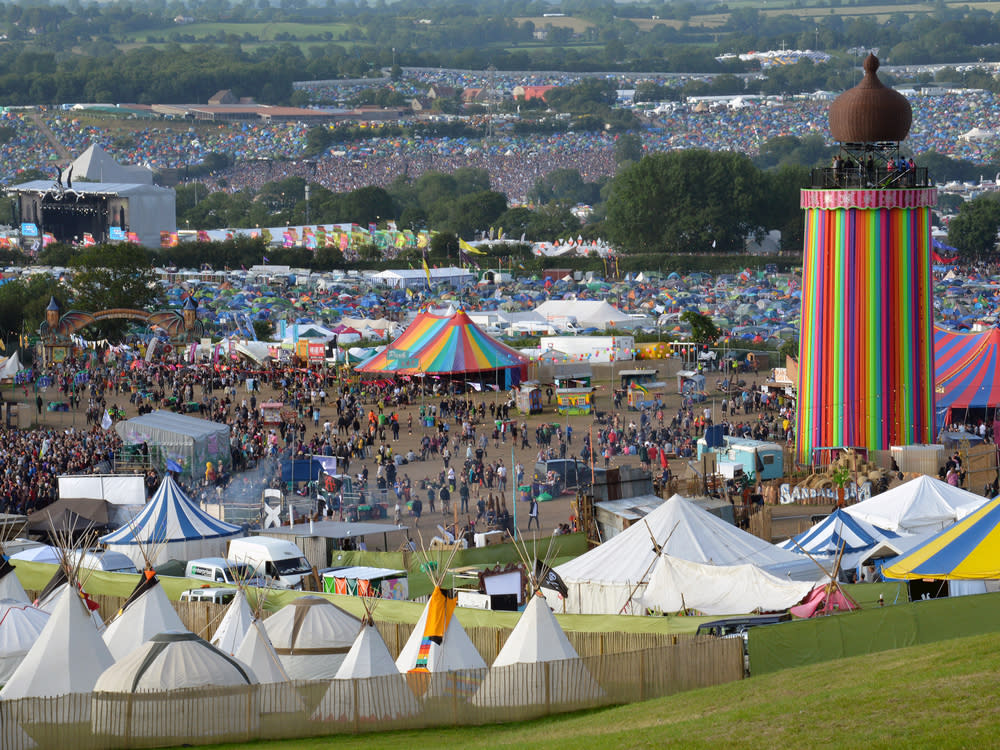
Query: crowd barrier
(328, 707)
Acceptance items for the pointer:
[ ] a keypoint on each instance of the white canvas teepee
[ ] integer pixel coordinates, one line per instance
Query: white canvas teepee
(20, 626)
(10, 586)
(312, 636)
(454, 652)
(145, 613)
(235, 624)
(381, 692)
(257, 652)
(68, 656)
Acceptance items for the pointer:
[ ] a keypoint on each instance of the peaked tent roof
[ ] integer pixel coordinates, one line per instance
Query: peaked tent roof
(922, 505)
(68, 656)
(455, 652)
(10, 586)
(235, 624)
(257, 652)
(602, 580)
(97, 165)
(20, 626)
(967, 550)
(170, 516)
(368, 657)
(445, 344)
(312, 636)
(677, 584)
(145, 613)
(965, 365)
(838, 532)
(536, 637)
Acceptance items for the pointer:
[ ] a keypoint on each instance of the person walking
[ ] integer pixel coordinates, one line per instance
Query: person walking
(533, 515)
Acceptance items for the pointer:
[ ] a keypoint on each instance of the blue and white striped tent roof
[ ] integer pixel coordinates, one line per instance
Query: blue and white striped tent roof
(838, 528)
(170, 517)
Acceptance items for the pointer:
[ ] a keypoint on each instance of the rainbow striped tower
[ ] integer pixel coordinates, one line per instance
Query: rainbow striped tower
(866, 344)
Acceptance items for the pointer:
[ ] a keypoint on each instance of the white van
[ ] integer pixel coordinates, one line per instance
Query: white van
(281, 563)
(218, 570)
(215, 596)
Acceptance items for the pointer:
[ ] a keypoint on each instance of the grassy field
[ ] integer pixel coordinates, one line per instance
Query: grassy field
(262, 31)
(937, 696)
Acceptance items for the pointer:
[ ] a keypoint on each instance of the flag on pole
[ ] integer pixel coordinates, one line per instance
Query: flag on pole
(106, 421)
(427, 269)
(463, 245)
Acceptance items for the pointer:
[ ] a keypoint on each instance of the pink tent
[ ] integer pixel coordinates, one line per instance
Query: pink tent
(824, 600)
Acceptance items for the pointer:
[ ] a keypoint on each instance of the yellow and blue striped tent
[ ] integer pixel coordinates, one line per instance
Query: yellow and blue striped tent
(966, 550)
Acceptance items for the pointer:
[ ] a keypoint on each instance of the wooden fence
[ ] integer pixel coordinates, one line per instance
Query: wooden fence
(325, 707)
(202, 618)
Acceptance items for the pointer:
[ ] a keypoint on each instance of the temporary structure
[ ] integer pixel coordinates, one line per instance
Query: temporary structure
(188, 443)
(167, 662)
(438, 642)
(380, 692)
(312, 636)
(20, 626)
(257, 652)
(146, 612)
(173, 527)
(234, 625)
(965, 366)
(68, 656)
(838, 532)
(10, 586)
(610, 578)
(448, 344)
(677, 585)
(967, 550)
(919, 506)
(50, 594)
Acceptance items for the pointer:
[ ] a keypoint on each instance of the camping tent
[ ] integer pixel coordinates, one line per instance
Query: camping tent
(919, 506)
(312, 636)
(10, 586)
(448, 345)
(189, 442)
(602, 580)
(68, 656)
(966, 550)
(20, 626)
(234, 625)
(965, 366)
(146, 612)
(515, 678)
(446, 651)
(172, 527)
(839, 532)
(257, 652)
(380, 691)
(172, 661)
(677, 584)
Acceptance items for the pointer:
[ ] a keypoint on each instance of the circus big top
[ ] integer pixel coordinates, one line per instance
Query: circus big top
(447, 344)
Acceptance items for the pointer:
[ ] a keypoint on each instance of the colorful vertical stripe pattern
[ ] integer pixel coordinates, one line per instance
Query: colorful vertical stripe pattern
(965, 367)
(423, 654)
(445, 344)
(866, 346)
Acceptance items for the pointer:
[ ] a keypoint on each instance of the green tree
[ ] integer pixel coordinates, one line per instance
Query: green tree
(703, 330)
(974, 231)
(686, 201)
(628, 148)
(111, 276)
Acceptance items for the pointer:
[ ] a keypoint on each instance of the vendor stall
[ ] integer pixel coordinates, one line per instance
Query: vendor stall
(574, 400)
(384, 583)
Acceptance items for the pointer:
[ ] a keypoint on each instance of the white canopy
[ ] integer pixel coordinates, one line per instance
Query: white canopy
(312, 636)
(719, 590)
(20, 626)
(922, 505)
(10, 586)
(602, 580)
(68, 656)
(588, 313)
(257, 652)
(536, 637)
(456, 651)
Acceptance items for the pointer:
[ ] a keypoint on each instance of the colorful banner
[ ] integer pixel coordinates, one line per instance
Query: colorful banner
(866, 347)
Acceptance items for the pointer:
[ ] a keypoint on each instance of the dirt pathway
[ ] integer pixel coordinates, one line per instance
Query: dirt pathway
(65, 157)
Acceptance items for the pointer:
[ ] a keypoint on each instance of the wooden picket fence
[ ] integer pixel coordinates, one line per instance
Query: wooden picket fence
(326, 707)
(203, 618)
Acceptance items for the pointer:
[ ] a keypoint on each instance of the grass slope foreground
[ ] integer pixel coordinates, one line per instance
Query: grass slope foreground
(942, 695)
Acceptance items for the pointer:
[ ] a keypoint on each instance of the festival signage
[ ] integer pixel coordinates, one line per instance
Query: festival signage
(29, 229)
(854, 492)
(116, 233)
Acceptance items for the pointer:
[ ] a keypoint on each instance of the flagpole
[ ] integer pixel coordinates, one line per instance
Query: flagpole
(513, 487)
